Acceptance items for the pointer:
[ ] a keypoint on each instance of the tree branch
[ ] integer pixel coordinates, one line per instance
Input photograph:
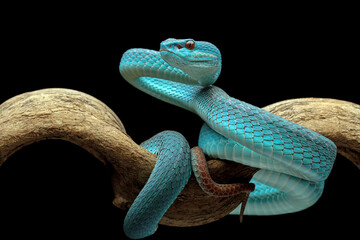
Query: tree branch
(83, 120)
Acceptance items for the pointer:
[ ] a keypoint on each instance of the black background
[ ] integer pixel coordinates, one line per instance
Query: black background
(54, 188)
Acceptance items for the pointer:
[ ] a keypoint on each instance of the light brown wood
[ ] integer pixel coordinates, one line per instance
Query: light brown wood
(83, 120)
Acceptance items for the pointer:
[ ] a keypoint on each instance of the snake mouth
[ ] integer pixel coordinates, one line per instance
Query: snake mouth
(169, 56)
(163, 51)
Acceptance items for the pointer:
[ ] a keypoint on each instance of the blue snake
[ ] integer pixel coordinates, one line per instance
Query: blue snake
(293, 160)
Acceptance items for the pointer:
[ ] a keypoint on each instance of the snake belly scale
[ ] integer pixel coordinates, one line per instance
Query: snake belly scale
(293, 160)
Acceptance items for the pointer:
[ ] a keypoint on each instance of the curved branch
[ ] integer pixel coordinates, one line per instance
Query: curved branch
(77, 117)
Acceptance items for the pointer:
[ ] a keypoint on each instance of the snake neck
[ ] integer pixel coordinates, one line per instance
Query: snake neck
(147, 71)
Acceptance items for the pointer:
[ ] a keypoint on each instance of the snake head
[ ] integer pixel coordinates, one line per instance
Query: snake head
(201, 60)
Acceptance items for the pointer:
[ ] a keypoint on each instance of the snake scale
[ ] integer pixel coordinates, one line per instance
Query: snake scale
(293, 160)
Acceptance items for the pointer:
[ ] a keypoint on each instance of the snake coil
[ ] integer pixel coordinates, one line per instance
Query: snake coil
(293, 160)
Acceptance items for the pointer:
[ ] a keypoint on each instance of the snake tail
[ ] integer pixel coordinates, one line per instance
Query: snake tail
(208, 185)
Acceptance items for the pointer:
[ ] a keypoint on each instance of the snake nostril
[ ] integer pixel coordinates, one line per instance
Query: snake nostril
(179, 46)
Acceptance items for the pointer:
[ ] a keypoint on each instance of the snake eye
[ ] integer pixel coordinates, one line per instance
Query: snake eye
(190, 44)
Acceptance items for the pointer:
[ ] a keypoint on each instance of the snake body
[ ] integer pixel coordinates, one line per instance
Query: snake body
(294, 161)
(165, 183)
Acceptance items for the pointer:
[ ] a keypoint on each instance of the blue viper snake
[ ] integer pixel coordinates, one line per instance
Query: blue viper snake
(293, 160)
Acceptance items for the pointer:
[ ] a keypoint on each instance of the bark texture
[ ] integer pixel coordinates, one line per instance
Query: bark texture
(83, 120)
